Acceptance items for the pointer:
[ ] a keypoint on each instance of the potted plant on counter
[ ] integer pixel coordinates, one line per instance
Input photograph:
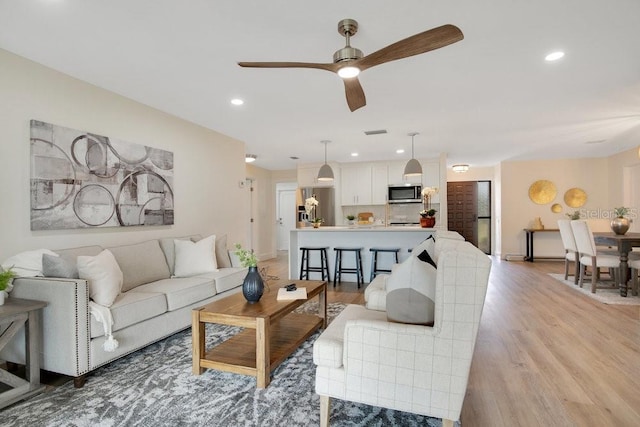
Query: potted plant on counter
(350, 219)
(620, 224)
(427, 218)
(253, 285)
(316, 222)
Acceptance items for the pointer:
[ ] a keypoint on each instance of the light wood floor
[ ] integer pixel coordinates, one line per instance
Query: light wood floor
(545, 355)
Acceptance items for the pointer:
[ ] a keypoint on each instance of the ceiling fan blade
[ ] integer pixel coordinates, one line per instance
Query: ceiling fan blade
(426, 41)
(329, 67)
(355, 93)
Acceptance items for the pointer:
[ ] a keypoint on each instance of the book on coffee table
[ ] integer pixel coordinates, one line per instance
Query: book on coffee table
(284, 295)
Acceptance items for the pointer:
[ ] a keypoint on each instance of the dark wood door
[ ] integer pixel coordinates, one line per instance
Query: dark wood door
(462, 206)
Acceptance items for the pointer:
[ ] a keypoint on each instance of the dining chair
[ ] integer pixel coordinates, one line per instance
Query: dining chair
(589, 257)
(570, 249)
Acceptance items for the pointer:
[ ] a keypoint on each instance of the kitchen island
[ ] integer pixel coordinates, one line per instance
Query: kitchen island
(403, 237)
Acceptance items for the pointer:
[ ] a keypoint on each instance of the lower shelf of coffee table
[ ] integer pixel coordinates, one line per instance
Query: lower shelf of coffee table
(238, 353)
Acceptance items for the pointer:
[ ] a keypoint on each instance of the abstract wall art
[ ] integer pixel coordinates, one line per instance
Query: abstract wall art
(81, 180)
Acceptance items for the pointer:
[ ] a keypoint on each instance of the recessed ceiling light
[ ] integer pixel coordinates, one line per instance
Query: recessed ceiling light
(354, 154)
(554, 56)
(597, 141)
(400, 150)
(237, 101)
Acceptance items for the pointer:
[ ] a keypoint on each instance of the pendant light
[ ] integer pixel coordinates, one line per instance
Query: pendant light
(413, 167)
(325, 173)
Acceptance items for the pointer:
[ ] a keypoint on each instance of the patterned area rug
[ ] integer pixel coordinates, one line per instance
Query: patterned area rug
(155, 387)
(603, 294)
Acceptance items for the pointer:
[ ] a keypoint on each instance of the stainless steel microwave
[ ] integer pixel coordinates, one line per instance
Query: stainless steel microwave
(410, 193)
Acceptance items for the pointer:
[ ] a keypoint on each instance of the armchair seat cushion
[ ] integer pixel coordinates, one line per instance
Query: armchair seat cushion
(328, 348)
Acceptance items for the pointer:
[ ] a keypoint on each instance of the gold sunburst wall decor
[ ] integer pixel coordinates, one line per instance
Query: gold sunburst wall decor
(556, 208)
(575, 197)
(542, 192)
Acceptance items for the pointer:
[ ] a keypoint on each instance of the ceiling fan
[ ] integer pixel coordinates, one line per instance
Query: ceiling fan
(348, 62)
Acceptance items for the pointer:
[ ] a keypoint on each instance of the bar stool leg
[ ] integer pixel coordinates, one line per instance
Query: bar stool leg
(324, 264)
(302, 263)
(359, 272)
(374, 265)
(336, 270)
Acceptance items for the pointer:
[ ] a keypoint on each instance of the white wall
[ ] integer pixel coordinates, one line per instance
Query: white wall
(518, 211)
(208, 165)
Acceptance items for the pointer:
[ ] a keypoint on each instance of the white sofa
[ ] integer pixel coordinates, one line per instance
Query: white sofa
(364, 357)
(152, 305)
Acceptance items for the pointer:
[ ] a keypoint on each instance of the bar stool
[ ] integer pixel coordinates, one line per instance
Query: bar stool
(323, 268)
(339, 269)
(374, 260)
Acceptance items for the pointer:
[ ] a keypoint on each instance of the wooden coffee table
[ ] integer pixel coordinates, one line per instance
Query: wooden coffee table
(271, 330)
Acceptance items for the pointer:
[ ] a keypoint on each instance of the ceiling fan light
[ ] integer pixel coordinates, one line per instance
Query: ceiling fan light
(413, 168)
(325, 173)
(460, 168)
(348, 72)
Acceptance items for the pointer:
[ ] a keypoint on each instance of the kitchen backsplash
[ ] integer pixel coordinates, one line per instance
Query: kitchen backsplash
(397, 213)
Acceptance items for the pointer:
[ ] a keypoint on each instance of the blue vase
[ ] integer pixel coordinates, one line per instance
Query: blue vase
(253, 286)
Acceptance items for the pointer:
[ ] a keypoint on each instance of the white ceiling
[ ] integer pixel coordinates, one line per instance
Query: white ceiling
(487, 98)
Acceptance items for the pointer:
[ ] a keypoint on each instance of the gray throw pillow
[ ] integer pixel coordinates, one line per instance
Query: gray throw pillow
(58, 266)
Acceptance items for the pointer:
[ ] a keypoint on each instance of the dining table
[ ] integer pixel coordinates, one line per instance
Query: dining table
(624, 243)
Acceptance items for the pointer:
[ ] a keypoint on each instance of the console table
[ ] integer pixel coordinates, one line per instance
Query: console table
(16, 313)
(530, 232)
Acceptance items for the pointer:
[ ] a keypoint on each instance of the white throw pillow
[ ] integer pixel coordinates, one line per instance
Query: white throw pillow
(27, 264)
(411, 292)
(104, 276)
(195, 258)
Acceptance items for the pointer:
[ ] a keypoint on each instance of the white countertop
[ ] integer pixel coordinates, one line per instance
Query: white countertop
(365, 228)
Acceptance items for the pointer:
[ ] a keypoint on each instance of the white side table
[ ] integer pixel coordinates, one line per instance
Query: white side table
(17, 312)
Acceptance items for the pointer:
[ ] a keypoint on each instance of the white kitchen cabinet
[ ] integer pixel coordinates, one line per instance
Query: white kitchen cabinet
(431, 177)
(308, 177)
(379, 183)
(356, 185)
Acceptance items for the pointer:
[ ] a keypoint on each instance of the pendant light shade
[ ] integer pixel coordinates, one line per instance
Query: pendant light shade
(413, 167)
(325, 173)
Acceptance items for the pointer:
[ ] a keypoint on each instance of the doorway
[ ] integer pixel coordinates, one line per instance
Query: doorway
(285, 213)
(469, 211)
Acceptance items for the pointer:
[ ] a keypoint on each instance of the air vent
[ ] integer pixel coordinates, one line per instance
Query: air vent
(375, 132)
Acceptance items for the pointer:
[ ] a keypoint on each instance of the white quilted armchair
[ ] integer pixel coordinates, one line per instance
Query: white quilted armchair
(364, 357)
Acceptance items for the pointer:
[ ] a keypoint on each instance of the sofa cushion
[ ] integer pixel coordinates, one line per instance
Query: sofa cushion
(222, 254)
(328, 348)
(130, 308)
(193, 258)
(59, 266)
(168, 248)
(227, 278)
(411, 290)
(103, 276)
(181, 291)
(141, 263)
(74, 253)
